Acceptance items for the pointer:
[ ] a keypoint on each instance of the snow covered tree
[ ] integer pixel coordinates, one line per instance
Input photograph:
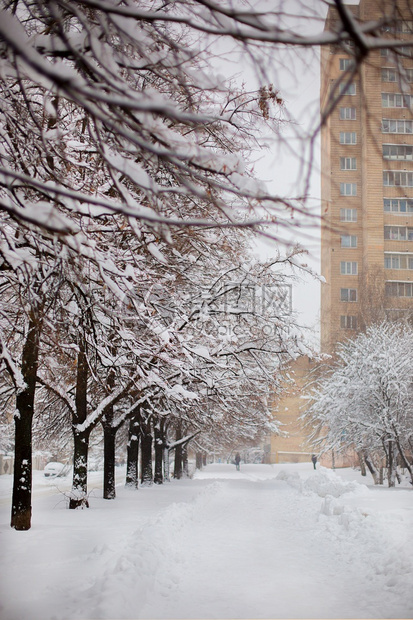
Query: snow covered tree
(30, 279)
(120, 147)
(112, 107)
(365, 401)
(117, 114)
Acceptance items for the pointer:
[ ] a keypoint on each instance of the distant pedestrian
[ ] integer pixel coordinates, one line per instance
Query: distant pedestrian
(314, 459)
(237, 460)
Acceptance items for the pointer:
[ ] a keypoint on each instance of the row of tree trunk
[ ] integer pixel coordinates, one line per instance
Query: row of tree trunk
(395, 459)
(147, 436)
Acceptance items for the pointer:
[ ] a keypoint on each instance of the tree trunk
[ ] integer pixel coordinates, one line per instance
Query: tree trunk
(198, 460)
(372, 468)
(159, 449)
(109, 438)
(178, 455)
(80, 438)
(80, 456)
(362, 463)
(146, 453)
(132, 477)
(21, 512)
(166, 463)
(391, 465)
(185, 466)
(405, 461)
(204, 459)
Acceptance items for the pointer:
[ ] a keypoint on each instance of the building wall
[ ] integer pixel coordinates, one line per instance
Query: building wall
(372, 248)
(294, 447)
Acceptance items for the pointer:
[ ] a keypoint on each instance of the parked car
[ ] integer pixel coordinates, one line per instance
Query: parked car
(54, 469)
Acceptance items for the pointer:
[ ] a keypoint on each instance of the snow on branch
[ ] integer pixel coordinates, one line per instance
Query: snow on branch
(12, 368)
(183, 441)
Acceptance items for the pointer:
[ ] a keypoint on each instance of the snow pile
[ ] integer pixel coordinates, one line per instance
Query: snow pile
(387, 553)
(326, 482)
(367, 538)
(292, 478)
(323, 483)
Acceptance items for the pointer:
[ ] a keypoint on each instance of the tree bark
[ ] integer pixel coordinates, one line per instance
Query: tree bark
(405, 461)
(178, 455)
(185, 465)
(198, 460)
(132, 477)
(159, 436)
(21, 512)
(391, 465)
(80, 457)
(109, 443)
(362, 463)
(109, 439)
(372, 468)
(146, 453)
(80, 438)
(166, 463)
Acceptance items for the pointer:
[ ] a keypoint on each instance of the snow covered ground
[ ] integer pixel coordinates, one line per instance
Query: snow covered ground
(276, 541)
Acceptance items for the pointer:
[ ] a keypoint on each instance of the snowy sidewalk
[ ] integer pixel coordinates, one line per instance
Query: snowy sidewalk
(265, 542)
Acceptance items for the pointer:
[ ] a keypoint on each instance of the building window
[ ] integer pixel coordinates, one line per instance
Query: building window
(395, 100)
(399, 289)
(404, 50)
(347, 89)
(398, 205)
(348, 215)
(408, 74)
(348, 241)
(388, 75)
(346, 63)
(398, 233)
(348, 294)
(399, 26)
(348, 322)
(396, 126)
(348, 268)
(398, 261)
(397, 178)
(348, 114)
(398, 151)
(348, 189)
(405, 26)
(348, 163)
(392, 262)
(348, 137)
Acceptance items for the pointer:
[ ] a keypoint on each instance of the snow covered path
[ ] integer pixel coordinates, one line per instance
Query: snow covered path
(266, 542)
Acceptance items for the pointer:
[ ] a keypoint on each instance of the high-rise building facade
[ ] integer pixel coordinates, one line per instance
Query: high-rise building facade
(367, 175)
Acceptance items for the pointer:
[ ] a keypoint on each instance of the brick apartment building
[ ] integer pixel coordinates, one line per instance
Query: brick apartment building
(367, 199)
(367, 177)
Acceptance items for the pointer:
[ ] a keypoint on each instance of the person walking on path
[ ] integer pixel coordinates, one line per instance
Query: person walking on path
(237, 460)
(314, 459)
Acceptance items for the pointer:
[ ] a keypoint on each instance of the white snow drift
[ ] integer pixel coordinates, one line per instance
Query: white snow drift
(266, 542)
